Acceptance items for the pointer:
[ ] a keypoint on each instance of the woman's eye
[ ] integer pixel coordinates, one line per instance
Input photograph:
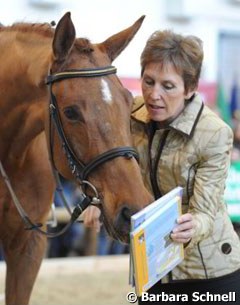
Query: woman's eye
(73, 113)
(168, 86)
(149, 82)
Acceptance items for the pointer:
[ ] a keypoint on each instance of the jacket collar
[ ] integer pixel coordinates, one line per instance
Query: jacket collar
(185, 123)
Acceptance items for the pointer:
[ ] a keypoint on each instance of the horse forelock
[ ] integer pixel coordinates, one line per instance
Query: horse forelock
(84, 45)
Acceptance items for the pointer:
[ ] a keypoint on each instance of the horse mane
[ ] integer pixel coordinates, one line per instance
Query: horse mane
(44, 29)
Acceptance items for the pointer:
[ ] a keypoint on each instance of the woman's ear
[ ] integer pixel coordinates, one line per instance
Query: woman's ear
(190, 93)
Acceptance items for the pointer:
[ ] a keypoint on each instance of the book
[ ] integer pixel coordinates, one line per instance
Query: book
(153, 253)
(147, 212)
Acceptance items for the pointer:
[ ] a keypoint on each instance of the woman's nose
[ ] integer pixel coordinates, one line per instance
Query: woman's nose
(156, 93)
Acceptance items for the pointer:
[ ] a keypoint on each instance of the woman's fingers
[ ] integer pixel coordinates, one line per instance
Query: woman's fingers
(182, 237)
(184, 231)
(91, 217)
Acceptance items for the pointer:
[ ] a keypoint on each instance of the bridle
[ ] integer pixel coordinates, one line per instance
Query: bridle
(79, 169)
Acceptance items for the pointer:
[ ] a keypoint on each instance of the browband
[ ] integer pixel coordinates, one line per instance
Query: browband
(94, 72)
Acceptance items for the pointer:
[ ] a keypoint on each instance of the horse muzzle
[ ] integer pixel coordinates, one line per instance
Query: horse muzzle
(122, 224)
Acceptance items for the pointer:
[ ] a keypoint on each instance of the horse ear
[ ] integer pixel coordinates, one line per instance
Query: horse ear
(64, 37)
(115, 44)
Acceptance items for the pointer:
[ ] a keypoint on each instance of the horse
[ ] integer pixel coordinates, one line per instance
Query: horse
(83, 133)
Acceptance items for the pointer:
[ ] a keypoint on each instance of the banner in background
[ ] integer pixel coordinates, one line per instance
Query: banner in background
(232, 191)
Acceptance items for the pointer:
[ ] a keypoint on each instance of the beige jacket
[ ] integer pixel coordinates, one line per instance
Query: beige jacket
(195, 154)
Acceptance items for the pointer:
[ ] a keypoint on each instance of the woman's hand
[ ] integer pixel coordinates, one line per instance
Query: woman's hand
(91, 217)
(184, 230)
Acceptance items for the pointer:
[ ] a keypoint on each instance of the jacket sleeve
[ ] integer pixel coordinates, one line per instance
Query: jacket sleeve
(209, 183)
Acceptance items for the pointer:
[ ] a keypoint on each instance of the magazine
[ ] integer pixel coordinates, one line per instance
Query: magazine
(153, 253)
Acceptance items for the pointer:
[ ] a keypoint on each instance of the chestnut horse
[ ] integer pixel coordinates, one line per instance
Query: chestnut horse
(93, 119)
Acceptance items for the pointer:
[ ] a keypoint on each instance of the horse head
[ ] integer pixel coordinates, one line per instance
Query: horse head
(93, 109)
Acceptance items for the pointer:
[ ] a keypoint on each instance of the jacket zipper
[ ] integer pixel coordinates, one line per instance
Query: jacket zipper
(153, 165)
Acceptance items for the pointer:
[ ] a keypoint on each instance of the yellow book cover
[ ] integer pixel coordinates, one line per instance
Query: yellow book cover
(140, 260)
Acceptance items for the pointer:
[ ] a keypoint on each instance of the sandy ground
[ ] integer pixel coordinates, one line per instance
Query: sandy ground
(82, 280)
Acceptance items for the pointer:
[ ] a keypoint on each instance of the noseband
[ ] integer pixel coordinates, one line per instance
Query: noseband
(78, 168)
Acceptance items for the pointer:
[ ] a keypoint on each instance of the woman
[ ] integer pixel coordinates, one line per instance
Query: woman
(181, 142)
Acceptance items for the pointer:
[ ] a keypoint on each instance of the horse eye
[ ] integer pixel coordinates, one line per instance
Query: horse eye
(73, 113)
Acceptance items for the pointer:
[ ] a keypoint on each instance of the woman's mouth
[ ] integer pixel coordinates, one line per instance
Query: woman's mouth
(155, 107)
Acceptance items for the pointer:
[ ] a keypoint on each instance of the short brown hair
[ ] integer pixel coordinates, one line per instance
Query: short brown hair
(184, 52)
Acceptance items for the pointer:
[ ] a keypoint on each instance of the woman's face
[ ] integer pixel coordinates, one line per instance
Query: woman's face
(163, 91)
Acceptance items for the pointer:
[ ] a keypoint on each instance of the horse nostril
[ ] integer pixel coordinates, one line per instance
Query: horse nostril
(126, 214)
(122, 223)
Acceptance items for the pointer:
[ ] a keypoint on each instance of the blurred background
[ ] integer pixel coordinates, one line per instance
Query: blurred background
(216, 22)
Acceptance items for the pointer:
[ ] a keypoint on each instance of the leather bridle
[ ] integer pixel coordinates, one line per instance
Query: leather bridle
(79, 169)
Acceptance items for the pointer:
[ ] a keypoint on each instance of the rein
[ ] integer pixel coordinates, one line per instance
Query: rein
(79, 169)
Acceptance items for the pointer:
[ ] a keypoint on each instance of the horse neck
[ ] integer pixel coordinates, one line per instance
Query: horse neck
(23, 95)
